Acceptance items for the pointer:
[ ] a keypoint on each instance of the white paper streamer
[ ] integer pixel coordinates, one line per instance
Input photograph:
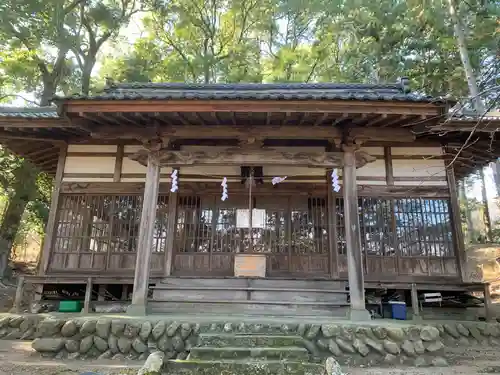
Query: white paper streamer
(277, 180)
(335, 181)
(173, 178)
(224, 189)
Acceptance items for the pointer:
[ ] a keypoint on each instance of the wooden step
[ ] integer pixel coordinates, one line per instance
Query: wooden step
(248, 289)
(236, 282)
(169, 293)
(251, 308)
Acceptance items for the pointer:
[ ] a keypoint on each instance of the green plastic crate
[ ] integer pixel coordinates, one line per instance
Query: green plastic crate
(70, 306)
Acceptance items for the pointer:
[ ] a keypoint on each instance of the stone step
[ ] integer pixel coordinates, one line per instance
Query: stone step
(199, 367)
(248, 341)
(262, 353)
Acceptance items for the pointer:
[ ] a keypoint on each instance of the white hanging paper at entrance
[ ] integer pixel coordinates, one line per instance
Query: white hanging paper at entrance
(277, 180)
(335, 181)
(173, 178)
(224, 189)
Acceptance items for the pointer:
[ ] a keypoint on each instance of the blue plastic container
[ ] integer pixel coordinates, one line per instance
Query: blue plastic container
(398, 310)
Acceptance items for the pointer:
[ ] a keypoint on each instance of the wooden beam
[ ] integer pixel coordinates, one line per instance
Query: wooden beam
(6, 122)
(241, 156)
(485, 125)
(248, 106)
(10, 135)
(54, 205)
(145, 240)
(261, 132)
(376, 120)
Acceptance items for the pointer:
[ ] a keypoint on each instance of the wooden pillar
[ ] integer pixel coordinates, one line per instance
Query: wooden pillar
(414, 302)
(173, 201)
(54, 205)
(145, 240)
(88, 296)
(487, 217)
(18, 300)
(489, 314)
(332, 228)
(117, 174)
(456, 221)
(353, 238)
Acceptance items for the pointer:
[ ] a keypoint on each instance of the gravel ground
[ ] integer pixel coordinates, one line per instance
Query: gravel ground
(17, 358)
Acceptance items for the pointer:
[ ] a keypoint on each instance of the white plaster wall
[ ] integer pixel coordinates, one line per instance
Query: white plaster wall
(416, 151)
(375, 151)
(89, 164)
(419, 168)
(374, 169)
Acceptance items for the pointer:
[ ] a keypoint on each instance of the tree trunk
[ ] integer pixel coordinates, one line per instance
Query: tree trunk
(86, 73)
(464, 56)
(487, 219)
(48, 92)
(24, 188)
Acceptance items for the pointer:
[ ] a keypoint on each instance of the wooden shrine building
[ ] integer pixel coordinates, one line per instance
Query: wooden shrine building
(115, 218)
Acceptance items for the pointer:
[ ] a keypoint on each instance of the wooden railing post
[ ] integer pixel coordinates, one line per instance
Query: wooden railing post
(145, 240)
(353, 237)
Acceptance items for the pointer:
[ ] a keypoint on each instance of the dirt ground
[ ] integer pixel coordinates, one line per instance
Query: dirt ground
(17, 357)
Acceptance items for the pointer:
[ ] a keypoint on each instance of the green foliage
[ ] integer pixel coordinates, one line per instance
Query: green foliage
(314, 41)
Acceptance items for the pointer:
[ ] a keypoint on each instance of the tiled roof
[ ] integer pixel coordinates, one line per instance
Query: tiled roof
(29, 112)
(256, 91)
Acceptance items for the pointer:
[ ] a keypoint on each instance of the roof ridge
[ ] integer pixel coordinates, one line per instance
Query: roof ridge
(253, 86)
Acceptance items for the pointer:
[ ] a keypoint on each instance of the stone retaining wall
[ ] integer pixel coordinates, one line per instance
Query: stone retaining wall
(351, 344)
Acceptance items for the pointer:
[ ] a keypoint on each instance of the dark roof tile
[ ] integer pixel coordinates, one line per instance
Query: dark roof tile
(29, 112)
(255, 91)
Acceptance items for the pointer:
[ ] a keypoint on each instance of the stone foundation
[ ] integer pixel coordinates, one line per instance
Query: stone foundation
(364, 344)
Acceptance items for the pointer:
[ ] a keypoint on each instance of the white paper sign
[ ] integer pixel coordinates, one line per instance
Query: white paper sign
(258, 218)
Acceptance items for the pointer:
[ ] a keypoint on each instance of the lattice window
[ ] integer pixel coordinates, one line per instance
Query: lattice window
(160, 228)
(412, 226)
(375, 220)
(309, 228)
(193, 226)
(97, 223)
(423, 227)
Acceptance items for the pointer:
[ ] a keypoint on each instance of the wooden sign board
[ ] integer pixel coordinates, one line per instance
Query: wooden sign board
(250, 265)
